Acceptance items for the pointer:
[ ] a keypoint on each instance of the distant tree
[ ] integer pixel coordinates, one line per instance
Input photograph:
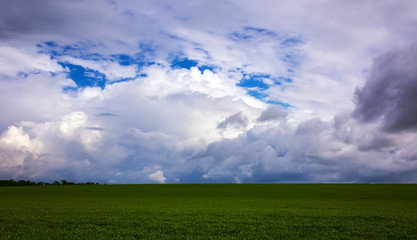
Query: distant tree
(12, 182)
(7, 182)
(22, 183)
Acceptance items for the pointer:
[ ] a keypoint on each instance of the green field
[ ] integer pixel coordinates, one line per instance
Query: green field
(203, 211)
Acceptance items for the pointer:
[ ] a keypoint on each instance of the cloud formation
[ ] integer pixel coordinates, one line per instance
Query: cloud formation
(14, 61)
(237, 120)
(271, 113)
(238, 91)
(390, 92)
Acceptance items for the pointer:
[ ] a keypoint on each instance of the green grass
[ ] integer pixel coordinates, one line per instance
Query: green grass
(223, 211)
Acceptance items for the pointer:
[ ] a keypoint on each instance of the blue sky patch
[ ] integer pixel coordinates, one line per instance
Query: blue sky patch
(257, 94)
(51, 44)
(206, 67)
(80, 50)
(254, 81)
(256, 87)
(84, 77)
(123, 59)
(183, 62)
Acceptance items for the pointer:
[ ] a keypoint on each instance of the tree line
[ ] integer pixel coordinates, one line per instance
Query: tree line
(12, 182)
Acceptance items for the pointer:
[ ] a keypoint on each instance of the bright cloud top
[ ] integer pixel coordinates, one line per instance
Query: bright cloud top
(237, 91)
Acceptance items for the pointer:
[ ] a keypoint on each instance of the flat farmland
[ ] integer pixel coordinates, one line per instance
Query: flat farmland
(210, 211)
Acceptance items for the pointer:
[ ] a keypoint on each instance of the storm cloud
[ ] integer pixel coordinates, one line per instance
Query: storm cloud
(390, 92)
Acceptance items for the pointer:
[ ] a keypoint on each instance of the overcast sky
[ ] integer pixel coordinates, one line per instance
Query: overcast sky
(208, 91)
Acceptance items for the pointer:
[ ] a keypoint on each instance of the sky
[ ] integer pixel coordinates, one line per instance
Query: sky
(197, 91)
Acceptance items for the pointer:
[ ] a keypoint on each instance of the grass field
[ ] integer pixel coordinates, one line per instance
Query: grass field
(202, 211)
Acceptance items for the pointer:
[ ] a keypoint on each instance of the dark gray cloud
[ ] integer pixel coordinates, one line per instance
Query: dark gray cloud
(2, 33)
(33, 16)
(273, 112)
(314, 126)
(363, 137)
(390, 92)
(237, 121)
(377, 142)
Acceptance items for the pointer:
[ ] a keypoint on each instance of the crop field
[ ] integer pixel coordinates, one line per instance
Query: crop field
(209, 211)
